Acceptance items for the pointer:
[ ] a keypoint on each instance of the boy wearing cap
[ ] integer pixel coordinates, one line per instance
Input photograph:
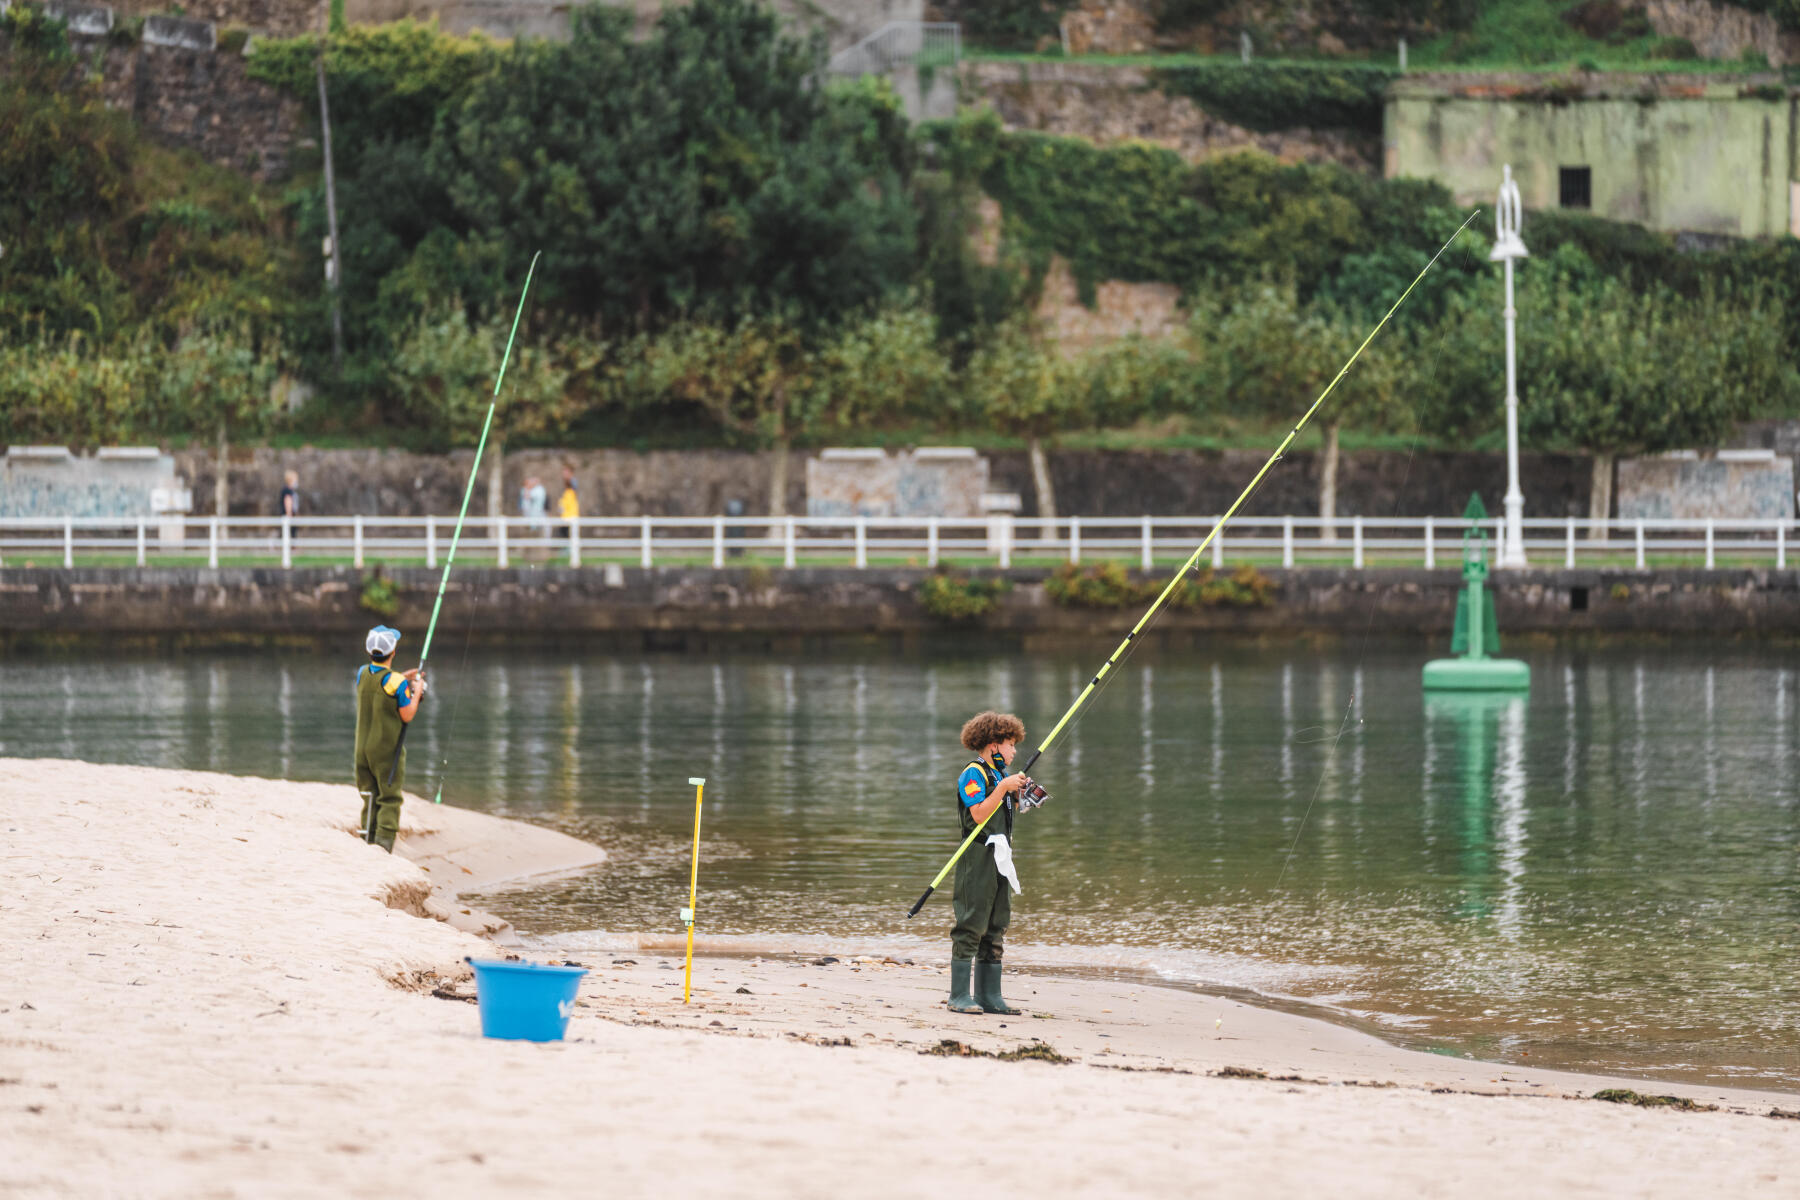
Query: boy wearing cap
(386, 701)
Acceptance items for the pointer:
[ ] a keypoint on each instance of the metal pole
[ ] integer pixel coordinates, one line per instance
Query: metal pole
(1075, 539)
(1430, 546)
(718, 541)
(644, 556)
(287, 541)
(1507, 247)
(357, 527)
(687, 914)
(140, 548)
(788, 557)
(334, 265)
(1287, 541)
(574, 541)
(431, 542)
(1145, 558)
(931, 542)
(68, 542)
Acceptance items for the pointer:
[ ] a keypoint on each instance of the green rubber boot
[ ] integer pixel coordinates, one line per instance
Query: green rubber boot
(960, 999)
(987, 990)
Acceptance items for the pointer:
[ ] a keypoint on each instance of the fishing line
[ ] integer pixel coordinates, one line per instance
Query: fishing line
(1124, 649)
(1437, 359)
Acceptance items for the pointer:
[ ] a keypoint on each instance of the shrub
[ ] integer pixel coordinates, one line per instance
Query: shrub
(1108, 585)
(1271, 96)
(379, 595)
(957, 598)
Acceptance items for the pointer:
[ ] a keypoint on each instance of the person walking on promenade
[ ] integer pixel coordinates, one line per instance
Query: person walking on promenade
(983, 903)
(386, 700)
(531, 506)
(290, 495)
(568, 504)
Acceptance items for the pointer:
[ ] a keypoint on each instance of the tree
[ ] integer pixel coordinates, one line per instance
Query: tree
(700, 173)
(1019, 385)
(1277, 357)
(756, 379)
(443, 373)
(1605, 368)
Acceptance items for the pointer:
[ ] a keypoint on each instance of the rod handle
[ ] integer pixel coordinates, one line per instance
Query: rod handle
(399, 744)
(914, 910)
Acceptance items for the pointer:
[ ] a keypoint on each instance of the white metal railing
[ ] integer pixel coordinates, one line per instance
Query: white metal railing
(1003, 541)
(899, 44)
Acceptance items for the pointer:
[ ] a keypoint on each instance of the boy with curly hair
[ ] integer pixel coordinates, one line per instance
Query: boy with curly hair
(984, 873)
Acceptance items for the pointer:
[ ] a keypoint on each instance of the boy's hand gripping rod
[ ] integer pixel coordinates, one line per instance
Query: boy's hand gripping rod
(1118, 656)
(469, 491)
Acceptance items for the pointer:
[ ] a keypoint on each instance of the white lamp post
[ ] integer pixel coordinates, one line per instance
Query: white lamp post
(1507, 247)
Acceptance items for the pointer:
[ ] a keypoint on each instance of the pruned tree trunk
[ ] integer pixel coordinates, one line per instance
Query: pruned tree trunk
(222, 478)
(1040, 483)
(778, 477)
(1328, 473)
(496, 472)
(1600, 495)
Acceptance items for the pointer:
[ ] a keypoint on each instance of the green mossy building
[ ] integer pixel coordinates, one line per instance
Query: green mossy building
(1682, 153)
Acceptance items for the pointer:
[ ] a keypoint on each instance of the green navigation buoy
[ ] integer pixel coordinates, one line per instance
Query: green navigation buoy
(1477, 633)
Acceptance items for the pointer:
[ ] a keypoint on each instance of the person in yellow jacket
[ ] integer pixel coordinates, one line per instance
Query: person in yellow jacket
(568, 504)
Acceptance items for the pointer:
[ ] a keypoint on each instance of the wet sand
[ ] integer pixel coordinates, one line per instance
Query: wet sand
(214, 988)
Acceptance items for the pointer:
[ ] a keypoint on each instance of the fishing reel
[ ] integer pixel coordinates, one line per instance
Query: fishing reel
(1031, 794)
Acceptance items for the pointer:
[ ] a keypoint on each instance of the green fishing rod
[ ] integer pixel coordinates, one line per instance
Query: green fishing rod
(1103, 675)
(450, 558)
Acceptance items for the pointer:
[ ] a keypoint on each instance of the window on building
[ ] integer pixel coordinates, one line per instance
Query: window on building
(1575, 187)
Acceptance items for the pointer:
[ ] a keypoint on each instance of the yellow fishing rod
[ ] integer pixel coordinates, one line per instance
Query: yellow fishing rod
(1102, 676)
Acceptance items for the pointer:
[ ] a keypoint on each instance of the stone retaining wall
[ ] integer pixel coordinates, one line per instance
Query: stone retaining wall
(1112, 104)
(688, 608)
(1098, 483)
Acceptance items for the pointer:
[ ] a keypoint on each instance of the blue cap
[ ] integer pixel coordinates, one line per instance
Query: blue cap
(381, 640)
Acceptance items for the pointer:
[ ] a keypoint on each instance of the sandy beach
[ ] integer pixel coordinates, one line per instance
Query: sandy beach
(213, 988)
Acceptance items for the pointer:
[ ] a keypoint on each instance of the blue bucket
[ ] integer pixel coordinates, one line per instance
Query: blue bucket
(525, 1001)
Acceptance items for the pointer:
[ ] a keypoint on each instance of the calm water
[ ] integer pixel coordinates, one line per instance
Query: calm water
(1603, 876)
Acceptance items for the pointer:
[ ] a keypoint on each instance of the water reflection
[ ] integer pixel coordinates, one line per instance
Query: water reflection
(1602, 872)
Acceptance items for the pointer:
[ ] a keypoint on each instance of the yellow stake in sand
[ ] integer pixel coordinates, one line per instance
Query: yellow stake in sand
(687, 914)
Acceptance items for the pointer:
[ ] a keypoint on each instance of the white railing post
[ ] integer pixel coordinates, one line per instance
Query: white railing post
(1640, 545)
(718, 541)
(1218, 545)
(1709, 543)
(575, 541)
(789, 542)
(1146, 545)
(212, 543)
(931, 541)
(500, 555)
(1074, 539)
(1356, 553)
(1006, 540)
(357, 536)
(1287, 541)
(287, 541)
(1430, 544)
(1569, 545)
(1780, 544)
(431, 541)
(68, 542)
(140, 548)
(862, 541)
(644, 557)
